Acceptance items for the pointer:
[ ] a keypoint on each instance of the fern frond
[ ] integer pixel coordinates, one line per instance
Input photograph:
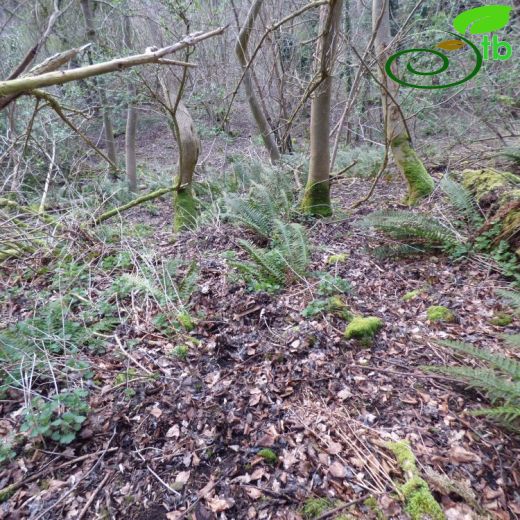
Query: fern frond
(503, 363)
(512, 340)
(408, 226)
(512, 297)
(463, 201)
(245, 213)
(272, 267)
(495, 388)
(505, 414)
(398, 250)
(188, 284)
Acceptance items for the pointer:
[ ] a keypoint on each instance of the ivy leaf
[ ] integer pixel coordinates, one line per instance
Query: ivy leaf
(485, 19)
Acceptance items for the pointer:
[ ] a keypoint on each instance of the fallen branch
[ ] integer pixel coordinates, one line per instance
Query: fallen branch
(131, 204)
(19, 85)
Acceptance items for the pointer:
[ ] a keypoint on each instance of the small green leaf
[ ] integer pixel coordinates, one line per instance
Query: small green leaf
(481, 20)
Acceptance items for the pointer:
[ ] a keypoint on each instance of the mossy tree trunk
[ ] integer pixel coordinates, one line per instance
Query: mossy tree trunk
(316, 198)
(185, 133)
(252, 97)
(420, 183)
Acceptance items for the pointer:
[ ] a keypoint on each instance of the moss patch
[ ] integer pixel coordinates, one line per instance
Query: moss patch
(363, 329)
(315, 507)
(484, 182)
(437, 313)
(268, 455)
(316, 200)
(340, 258)
(502, 319)
(409, 296)
(420, 183)
(419, 502)
(185, 210)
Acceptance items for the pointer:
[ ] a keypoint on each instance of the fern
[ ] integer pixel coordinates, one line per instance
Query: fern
(512, 297)
(286, 259)
(500, 381)
(463, 201)
(411, 227)
(512, 340)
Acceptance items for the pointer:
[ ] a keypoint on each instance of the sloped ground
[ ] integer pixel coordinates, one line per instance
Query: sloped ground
(187, 444)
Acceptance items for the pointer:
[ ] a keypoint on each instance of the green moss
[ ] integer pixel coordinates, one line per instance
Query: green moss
(404, 455)
(363, 329)
(185, 206)
(484, 182)
(315, 507)
(420, 183)
(340, 258)
(268, 455)
(7, 492)
(419, 502)
(372, 504)
(412, 295)
(502, 319)
(181, 352)
(439, 313)
(316, 199)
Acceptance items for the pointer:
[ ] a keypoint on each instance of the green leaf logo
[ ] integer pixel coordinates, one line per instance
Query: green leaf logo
(485, 19)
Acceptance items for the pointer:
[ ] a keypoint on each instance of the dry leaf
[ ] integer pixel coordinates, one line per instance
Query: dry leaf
(460, 455)
(156, 412)
(218, 504)
(337, 470)
(173, 432)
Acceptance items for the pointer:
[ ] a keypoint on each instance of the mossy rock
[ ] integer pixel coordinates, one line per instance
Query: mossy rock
(498, 194)
(363, 329)
(438, 313)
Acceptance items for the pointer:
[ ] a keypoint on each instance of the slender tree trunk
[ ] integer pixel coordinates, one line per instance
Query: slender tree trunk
(131, 119)
(316, 199)
(254, 103)
(108, 129)
(183, 128)
(420, 184)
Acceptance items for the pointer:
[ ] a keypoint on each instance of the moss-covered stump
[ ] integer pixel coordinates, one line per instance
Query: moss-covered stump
(363, 329)
(316, 200)
(185, 206)
(498, 195)
(420, 183)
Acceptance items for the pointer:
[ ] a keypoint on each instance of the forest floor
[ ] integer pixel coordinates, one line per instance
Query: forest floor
(187, 442)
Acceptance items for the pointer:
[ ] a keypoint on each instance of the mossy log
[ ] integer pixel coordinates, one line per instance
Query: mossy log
(498, 195)
(131, 204)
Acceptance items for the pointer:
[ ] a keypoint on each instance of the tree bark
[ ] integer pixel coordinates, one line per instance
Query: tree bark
(131, 119)
(254, 103)
(420, 184)
(185, 133)
(316, 199)
(110, 142)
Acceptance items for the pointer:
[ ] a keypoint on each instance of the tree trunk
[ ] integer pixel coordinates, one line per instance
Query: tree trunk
(183, 128)
(254, 103)
(420, 184)
(131, 119)
(110, 142)
(316, 199)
